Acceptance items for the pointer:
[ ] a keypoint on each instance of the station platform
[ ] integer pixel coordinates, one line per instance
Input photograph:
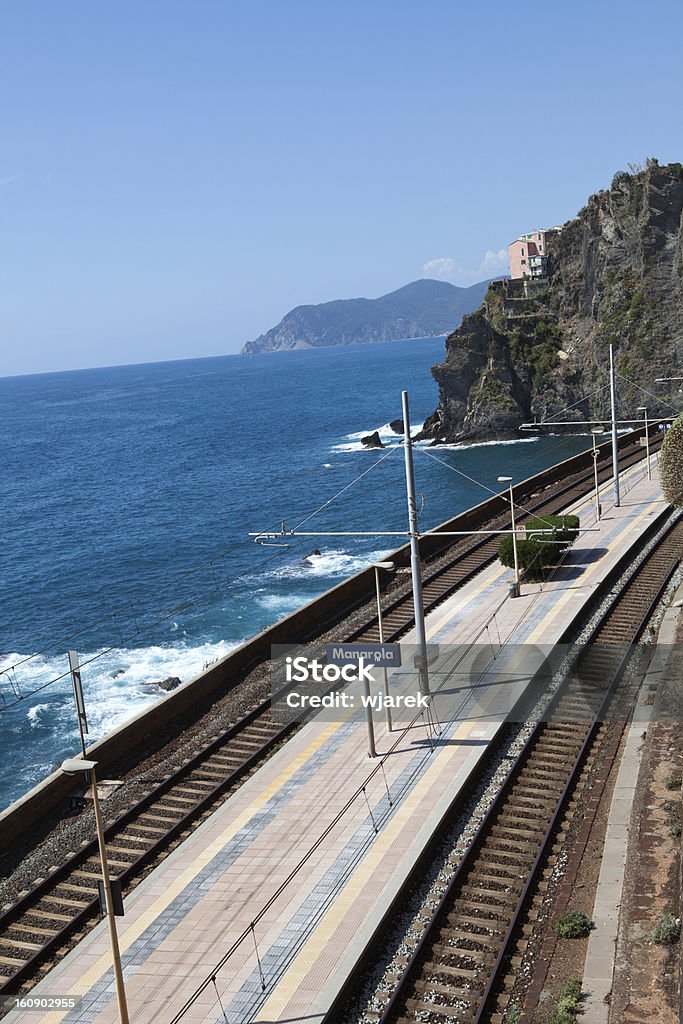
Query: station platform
(314, 847)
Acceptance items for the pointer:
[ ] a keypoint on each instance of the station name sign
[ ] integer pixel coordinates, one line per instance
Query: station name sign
(380, 655)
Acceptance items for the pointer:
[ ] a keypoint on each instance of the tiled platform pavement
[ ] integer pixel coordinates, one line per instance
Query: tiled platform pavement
(180, 921)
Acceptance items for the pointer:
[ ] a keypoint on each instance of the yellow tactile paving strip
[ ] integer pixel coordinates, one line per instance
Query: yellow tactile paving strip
(138, 926)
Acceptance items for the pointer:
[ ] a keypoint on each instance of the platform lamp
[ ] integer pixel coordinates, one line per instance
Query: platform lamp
(383, 567)
(598, 507)
(515, 590)
(75, 766)
(643, 409)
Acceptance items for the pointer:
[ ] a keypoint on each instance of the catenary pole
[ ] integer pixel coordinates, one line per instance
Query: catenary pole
(416, 569)
(615, 449)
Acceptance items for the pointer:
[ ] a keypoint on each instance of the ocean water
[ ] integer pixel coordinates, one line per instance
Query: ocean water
(129, 493)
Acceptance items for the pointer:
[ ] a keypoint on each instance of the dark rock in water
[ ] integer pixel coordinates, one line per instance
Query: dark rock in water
(397, 426)
(315, 553)
(372, 440)
(168, 684)
(119, 672)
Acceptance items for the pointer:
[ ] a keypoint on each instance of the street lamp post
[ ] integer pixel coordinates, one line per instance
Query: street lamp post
(598, 507)
(387, 567)
(643, 409)
(73, 766)
(517, 586)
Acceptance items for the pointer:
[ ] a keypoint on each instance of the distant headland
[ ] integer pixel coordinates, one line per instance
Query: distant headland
(421, 309)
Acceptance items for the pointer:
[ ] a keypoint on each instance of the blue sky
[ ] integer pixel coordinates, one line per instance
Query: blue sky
(175, 177)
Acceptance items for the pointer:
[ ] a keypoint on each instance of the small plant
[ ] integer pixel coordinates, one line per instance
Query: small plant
(513, 1014)
(675, 830)
(673, 782)
(561, 1015)
(572, 990)
(569, 1003)
(573, 924)
(667, 931)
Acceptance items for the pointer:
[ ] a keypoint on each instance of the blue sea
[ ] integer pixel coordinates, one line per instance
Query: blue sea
(128, 494)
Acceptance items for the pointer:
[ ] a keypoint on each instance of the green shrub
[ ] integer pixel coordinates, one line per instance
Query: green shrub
(561, 1015)
(569, 1004)
(573, 924)
(671, 464)
(572, 990)
(621, 177)
(566, 528)
(673, 782)
(533, 555)
(667, 931)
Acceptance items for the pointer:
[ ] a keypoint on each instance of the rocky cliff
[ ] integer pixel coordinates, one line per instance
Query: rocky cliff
(418, 310)
(540, 350)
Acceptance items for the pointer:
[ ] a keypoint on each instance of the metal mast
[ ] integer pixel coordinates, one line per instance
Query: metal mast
(416, 569)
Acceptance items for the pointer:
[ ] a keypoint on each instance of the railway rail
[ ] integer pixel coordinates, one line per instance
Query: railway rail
(474, 554)
(42, 921)
(455, 971)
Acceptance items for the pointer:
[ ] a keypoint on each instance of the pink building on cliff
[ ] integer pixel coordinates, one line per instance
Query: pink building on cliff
(528, 255)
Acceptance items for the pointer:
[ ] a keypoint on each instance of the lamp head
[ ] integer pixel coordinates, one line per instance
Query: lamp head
(387, 566)
(504, 479)
(76, 765)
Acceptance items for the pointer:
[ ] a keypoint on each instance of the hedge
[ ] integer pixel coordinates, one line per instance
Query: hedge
(538, 550)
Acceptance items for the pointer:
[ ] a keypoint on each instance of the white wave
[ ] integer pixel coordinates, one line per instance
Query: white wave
(282, 604)
(334, 562)
(117, 684)
(34, 715)
(481, 444)
(327, 465)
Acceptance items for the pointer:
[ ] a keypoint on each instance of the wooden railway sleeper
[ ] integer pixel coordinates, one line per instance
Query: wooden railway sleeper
(58, 901)
(449, 991)
(435, 1008)
(7, 940)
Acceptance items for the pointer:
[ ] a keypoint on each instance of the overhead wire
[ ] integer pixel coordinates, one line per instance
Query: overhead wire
(657, 398)
(360, 476)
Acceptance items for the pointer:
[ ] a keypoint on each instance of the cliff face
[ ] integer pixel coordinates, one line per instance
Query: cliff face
(615, 274)
(418, 310)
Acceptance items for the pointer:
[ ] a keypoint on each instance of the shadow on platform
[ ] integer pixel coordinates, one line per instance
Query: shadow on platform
(571, 571)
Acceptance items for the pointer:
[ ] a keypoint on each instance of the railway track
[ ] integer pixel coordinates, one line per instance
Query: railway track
(63, 903)
(475, 554)
(454, 973)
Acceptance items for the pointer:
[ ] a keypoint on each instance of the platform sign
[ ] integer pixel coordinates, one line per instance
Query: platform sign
(382, 655)
(116, 897)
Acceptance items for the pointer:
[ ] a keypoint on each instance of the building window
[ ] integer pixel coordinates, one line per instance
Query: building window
(522, 251)
(523, 262)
